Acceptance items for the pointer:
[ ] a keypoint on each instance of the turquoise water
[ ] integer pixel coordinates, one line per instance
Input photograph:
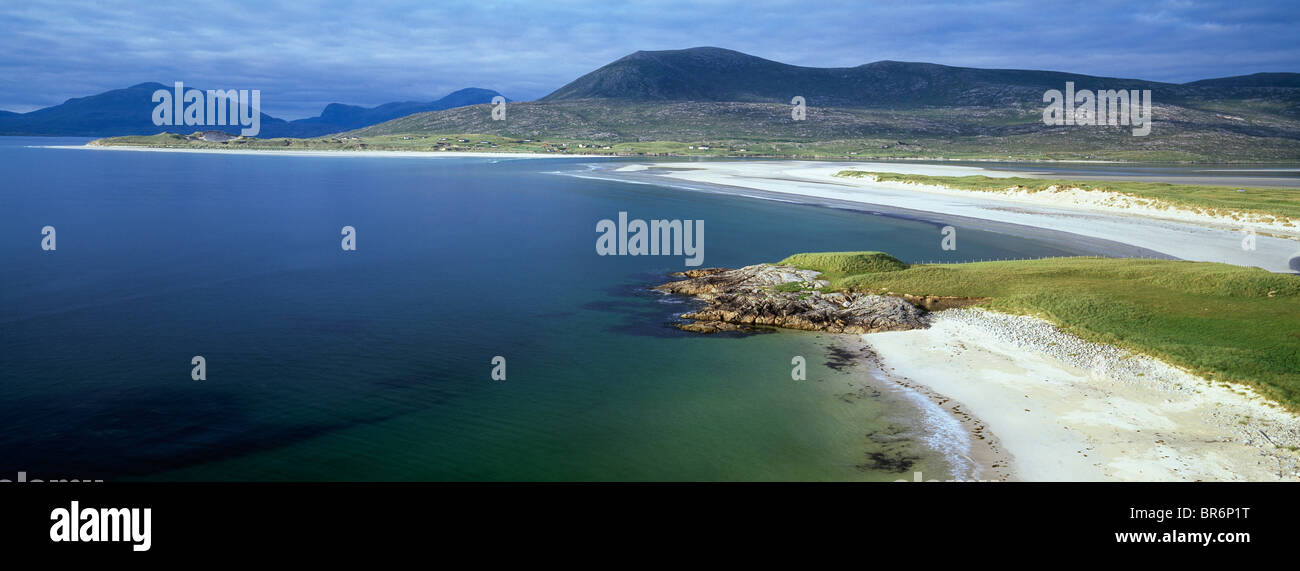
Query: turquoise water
(374, 364)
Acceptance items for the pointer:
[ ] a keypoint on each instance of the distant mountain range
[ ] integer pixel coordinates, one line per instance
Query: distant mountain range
(885, 108)
(129, 111)
(338, 117)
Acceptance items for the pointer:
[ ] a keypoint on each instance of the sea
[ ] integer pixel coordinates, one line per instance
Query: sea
(473, 334)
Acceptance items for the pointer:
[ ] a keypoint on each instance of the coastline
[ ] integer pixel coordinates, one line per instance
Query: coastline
(813, 183)
(1060, 408)
(1064, 409)
(975, 453)
(323, 153)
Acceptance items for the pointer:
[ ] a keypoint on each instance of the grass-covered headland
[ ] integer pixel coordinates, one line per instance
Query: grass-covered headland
(1226, 323)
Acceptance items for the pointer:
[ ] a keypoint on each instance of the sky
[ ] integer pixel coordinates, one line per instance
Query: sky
(303, 55)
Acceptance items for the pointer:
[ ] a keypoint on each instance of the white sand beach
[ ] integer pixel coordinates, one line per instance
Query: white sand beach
(1064, 409)
(1183, 235)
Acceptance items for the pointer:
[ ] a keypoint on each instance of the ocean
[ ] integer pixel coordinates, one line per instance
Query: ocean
(376, 364)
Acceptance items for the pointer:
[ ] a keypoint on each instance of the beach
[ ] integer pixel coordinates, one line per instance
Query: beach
(1172, 234)
(1064, 409)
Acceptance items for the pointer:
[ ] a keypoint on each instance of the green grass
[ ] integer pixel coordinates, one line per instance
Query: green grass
(1281, 203)
(664, 142)
(836, 265)
(789, 287)
(1216, 320)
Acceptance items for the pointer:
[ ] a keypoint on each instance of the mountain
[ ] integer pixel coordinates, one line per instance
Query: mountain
(885, 108)
(339, 117)
(115, 112)
(1268, 80)
(129, 111)
(716, 74)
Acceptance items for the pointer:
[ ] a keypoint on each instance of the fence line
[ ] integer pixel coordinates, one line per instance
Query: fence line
(939, 262)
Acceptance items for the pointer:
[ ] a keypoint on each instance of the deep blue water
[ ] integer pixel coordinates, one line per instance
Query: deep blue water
(324, 364)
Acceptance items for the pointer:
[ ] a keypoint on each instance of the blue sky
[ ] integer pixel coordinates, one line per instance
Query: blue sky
(303, 54)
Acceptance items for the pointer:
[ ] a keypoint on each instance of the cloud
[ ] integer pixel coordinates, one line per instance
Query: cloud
(303, 56)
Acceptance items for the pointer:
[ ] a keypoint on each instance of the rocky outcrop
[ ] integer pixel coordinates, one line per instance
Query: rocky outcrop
(940, 302)
(783, 296)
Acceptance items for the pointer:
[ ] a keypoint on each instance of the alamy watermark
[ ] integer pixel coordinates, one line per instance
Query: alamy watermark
(917, 477)
(216, 107)
(498, 108)
(654, 238)
(77, 523)
(1103, 107)
(1248, 239)
(949, 241)
(24, 479)
(200, 370)
(498, 368)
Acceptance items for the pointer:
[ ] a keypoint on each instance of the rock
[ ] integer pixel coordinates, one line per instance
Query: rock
(752, 277)
(941, 302)
(702, 272)
(746, 298)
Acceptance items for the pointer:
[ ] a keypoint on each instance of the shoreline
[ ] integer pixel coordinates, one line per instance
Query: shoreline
(326, 153)
(1051, 236)
(981, 456)
(641, 156)
(809, 183)
(1062, 409)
